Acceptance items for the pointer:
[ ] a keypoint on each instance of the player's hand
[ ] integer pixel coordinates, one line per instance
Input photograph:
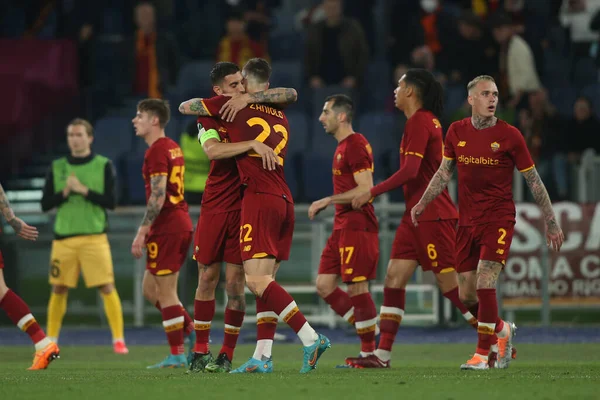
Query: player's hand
(23, 230)
(75, 185)
(361, 199)
(137, 247)
(230, 109)
(318, 206)
(269, 158)
(554, 236)
(416, 212)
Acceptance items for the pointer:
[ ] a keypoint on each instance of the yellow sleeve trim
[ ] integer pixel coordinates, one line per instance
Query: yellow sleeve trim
(448, 158)
(413, 153)
(363, 170)
(446, 270)
(206, 108)
(527, 169)
(159, 174)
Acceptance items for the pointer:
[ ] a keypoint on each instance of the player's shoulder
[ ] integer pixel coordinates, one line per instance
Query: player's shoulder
(425, 117)
(462, 124)
(508, 129)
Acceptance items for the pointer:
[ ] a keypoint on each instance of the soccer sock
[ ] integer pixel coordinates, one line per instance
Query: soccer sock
(204, 312)
(173, 324)
(340, 302)
(19, 314)
(474, 309)
(266, 325)
(390, 316)
(114, 315)
(188, 322)
(233, 322)
(488, 315)
(366, 321)
(280, 301)
(452, 295)
(57, 307)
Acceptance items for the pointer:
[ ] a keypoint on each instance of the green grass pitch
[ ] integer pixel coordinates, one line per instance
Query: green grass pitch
(562, 371)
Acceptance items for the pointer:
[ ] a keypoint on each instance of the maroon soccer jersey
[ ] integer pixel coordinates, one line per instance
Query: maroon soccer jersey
(423, 138)
(222, 190)
(486, 160)
(164, 157)
(352, 155)
(267, 125)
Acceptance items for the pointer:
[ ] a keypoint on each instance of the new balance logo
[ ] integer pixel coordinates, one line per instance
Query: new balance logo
(248, 248)
(462, 143)
(500, 251)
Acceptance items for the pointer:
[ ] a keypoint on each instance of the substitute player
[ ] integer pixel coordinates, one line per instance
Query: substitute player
(217, 232)
(14, 307)
(81, 186)
(431, 245)
(166, 230)
(487, 150)
(267, 219)
(352, 250)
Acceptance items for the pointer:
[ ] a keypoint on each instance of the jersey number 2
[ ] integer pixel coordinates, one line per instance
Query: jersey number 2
(177, 179)
(265, 134)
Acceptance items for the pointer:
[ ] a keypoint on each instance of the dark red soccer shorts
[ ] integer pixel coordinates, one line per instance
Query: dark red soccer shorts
(489, 242)
(267, 226)
(352, 254)
(1, 261)
(217, 238)
(431, 244)
(166, 253)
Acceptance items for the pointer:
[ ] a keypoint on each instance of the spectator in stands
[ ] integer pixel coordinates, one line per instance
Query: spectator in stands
(257, 15)
(577, 15)
(518, 74)
(544, 133)
(336, 50)
(152, 56)
(236, 46)
(472, 51)
(583, 130)
(197, 165)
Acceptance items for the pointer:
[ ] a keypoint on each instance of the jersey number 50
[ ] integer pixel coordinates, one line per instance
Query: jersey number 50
(265, 134)
(177, 179)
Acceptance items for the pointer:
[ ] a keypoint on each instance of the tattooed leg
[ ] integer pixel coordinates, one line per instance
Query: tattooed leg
(208, 280)
(235, 283)
(487, 274)
(467, 288)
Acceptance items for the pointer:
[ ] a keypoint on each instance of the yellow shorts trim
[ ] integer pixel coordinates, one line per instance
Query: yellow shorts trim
(260, 255)
(89, 254)
(446, 270)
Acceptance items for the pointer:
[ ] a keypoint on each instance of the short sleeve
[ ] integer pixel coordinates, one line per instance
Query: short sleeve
(416, 136)
(214, 104)
(157, 162)
(359, 156)
(207, 123)
(519, 152)
(449, 144)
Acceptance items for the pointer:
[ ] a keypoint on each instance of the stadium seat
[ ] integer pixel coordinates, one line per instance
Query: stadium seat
(286, 74)
(299, 134)
(286, 46)
(194, 80)
(134, 182)
(593, 92)
(113, 136)
(381, 130)
(316, 167)
(377, 87)
(585, 72)
(563, 98)
(557, 70)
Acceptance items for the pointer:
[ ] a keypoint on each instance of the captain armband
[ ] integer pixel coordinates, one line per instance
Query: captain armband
(204, 135)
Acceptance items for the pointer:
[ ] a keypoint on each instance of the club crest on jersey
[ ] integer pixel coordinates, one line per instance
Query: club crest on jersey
(339, 157)
(495, 146)
(436, 123)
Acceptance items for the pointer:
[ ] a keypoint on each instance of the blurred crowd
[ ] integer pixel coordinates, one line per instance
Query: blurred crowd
(544, 55)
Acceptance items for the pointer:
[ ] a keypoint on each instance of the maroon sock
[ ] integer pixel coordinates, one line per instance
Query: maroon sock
(233, 322)
(488, 315)
(390, 316)
(452, 295)
(21, 316)
(188, 322)
(280, 301)
(266, 321)
(366, 321)
(173, 324)
(204, 312)
(340, 302)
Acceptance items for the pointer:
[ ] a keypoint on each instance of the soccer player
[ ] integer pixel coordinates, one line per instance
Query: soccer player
(352, 250)
(487, 150)
(81, 186)
(217, 233)
(420, 96)
(14, 307)
(166, 229)
(267, 218)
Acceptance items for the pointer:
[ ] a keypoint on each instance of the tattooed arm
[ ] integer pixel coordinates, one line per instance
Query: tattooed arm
(158, 185)
(436, 186)
(194, 107)
(21, 228)
(280, 96)
(554, 235)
